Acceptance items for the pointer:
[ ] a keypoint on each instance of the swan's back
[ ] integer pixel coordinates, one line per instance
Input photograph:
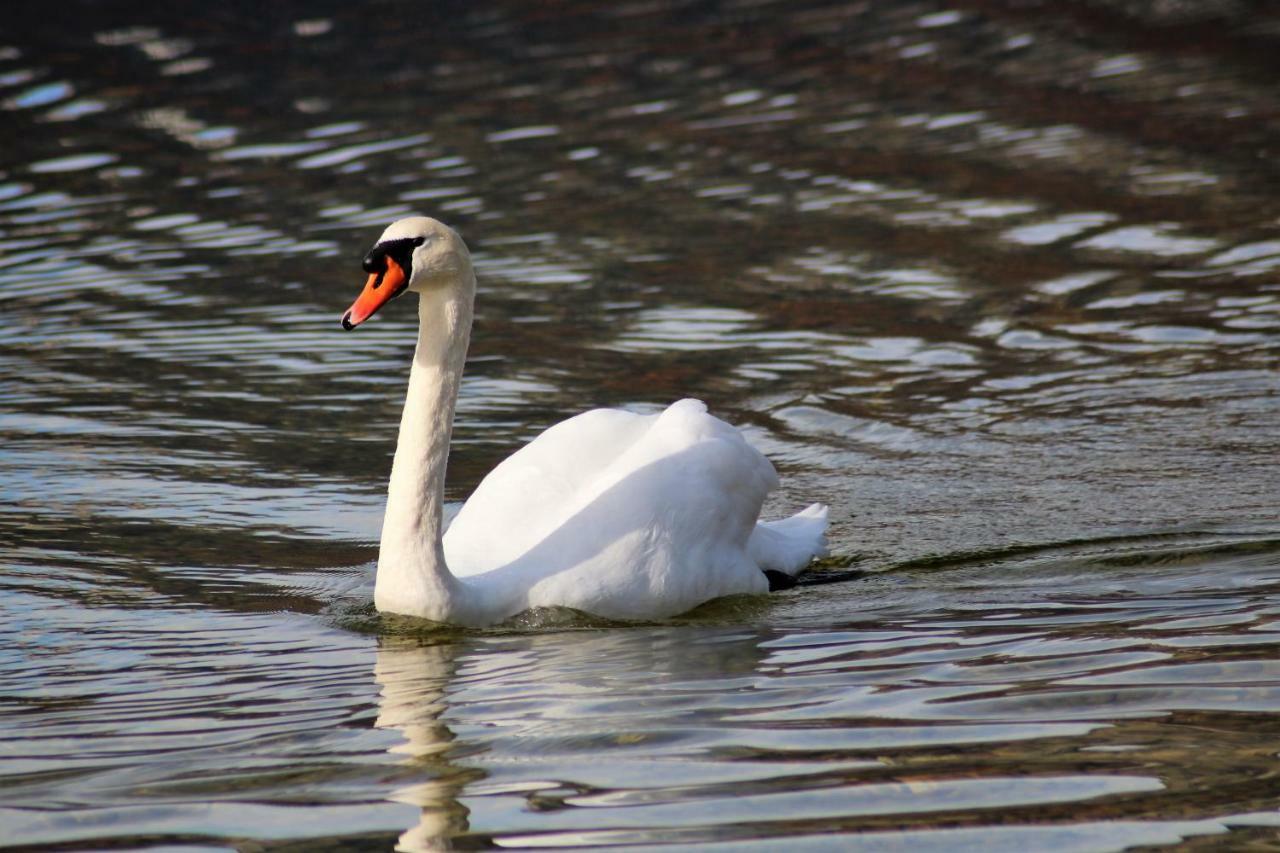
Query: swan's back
(659, 505)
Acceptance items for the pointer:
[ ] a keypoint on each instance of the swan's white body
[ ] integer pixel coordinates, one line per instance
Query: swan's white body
(622, 515)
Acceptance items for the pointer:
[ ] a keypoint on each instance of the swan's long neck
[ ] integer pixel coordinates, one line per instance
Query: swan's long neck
(412, 575)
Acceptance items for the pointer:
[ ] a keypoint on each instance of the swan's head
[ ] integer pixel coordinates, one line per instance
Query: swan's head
(416, 253)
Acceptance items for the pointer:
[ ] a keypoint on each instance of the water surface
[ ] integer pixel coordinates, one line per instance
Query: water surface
(1000, 283)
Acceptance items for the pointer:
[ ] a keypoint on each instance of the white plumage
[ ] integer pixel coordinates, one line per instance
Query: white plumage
(622, 515)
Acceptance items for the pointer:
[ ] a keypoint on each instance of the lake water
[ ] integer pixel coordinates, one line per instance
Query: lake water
(999, 282)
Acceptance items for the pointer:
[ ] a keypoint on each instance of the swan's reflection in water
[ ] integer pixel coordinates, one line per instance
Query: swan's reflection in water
(413, 676)
(546, 719)
(895, 732)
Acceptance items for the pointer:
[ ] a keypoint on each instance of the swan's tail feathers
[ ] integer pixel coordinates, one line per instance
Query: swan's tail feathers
(792, 543)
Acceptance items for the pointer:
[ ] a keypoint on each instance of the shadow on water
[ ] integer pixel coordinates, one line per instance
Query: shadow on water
(998, 281)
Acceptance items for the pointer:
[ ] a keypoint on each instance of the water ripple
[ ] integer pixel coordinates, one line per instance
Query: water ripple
(998, 287)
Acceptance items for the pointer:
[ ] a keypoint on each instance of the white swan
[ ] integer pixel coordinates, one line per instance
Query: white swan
(622, 515)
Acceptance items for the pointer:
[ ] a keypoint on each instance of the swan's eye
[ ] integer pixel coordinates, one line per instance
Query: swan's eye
(419, 241)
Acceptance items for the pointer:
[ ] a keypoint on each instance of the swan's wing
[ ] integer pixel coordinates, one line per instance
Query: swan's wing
(683, 473)
(660, 530)
(522, 498)
(648, 521)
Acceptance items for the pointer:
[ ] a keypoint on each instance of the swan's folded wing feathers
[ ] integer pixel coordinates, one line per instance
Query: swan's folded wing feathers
(687, 422)
(664, 528)
(522, 497)
(691, 469)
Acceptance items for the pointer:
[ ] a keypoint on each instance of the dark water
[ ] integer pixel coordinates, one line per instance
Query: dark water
(999, 281)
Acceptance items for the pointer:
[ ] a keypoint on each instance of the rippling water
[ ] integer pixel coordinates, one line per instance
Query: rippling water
(998, 281)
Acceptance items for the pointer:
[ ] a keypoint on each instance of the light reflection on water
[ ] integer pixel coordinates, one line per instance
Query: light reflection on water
(1000, 285)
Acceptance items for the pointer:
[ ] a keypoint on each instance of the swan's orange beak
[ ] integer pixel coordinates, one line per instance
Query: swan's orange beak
(378, 291)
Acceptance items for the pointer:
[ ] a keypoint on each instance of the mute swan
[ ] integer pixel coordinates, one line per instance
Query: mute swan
(621, 515)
